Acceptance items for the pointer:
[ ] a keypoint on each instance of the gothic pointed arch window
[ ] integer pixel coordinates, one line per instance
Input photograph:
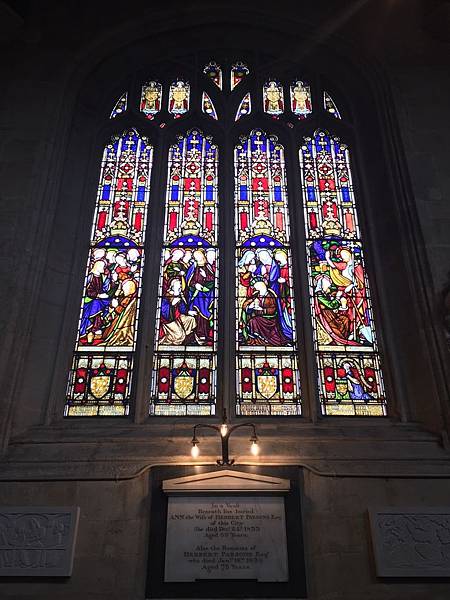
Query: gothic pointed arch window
(235, 337)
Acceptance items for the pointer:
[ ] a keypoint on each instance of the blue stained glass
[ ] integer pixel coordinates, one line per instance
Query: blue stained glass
(120, 106)
(311, 194)
(267, 376)
(184, 372)
(346, 195)
(116, 241)
(262, 242)
(322, 143)
(101, 374)
(350, 378)
(259, 143)
(191, 240)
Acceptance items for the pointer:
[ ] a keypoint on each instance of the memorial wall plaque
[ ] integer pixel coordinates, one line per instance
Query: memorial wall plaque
(226, 537)
(226, 533)
(411, 542)
(37, 541)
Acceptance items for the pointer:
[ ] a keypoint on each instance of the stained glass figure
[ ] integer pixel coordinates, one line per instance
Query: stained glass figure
(238, 72)
(214, 72)
(301, 104)
(330, 106)
(186, 333)
(120, 106)
(101, 374)
(267, 373)
(208, 106)
(151, 99)
(245, 107)
(350, 378)
(179, 98)
(273, 98)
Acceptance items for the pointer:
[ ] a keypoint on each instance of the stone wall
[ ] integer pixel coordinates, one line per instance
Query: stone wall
(111, 551)
(50, 53)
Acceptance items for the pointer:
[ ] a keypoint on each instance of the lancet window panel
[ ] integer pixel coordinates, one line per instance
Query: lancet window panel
(350, 377)
(267, 373)
(184, 372)
(120, 106)
(214, 72)
(101, 375)
(151, 99)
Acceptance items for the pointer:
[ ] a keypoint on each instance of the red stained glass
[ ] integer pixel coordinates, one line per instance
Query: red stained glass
(213, 71)
(264, 302)
(151, 99)
(341, 305)
(301, 104)
(187, 306)
(110, 303)
(238, 72)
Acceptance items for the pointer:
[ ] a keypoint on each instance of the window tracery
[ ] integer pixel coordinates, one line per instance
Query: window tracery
(184, 373)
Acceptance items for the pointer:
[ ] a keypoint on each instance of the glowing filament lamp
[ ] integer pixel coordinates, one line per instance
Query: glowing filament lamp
(225, 431)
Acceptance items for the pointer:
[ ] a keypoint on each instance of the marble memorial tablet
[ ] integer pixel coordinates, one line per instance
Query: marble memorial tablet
(37, 541)
(226, 537)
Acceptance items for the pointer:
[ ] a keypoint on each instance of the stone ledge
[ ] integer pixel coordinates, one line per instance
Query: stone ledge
(116, 470)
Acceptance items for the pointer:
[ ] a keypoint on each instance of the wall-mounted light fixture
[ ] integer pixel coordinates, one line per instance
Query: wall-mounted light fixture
(224, 430)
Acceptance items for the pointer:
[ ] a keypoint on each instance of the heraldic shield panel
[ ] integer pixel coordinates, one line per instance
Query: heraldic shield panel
(184, 374)
(267, 372)
(101, 375)
(350, 378)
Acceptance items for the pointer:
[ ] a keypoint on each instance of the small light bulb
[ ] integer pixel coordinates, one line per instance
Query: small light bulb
(195, 451)
(223, 429)
(254, 448)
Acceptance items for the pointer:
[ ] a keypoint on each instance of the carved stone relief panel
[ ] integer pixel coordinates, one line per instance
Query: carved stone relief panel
(37, 541)
(411, 542)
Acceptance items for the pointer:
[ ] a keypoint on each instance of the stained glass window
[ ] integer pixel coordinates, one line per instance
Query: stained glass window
(301, 104)
(151, 99)
(184, 369)
(273, 98)
(238, 72)
(120, 106)
(350, 378)
(184, 374)
(214, 72)
(245, 107)
(267, 373)
(208, 107)
(179, 94)
(101, 374)
(330, 106)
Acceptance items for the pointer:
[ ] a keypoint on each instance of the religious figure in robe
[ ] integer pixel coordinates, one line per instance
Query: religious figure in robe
(178, 103)
(176, 325)
(96, 302)
(273, 102)
(358, 387)
(200, 281)
(151, 101)
(332, 312)
(260, 319)
(301, 104)
(120, 330)
(348, 277)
